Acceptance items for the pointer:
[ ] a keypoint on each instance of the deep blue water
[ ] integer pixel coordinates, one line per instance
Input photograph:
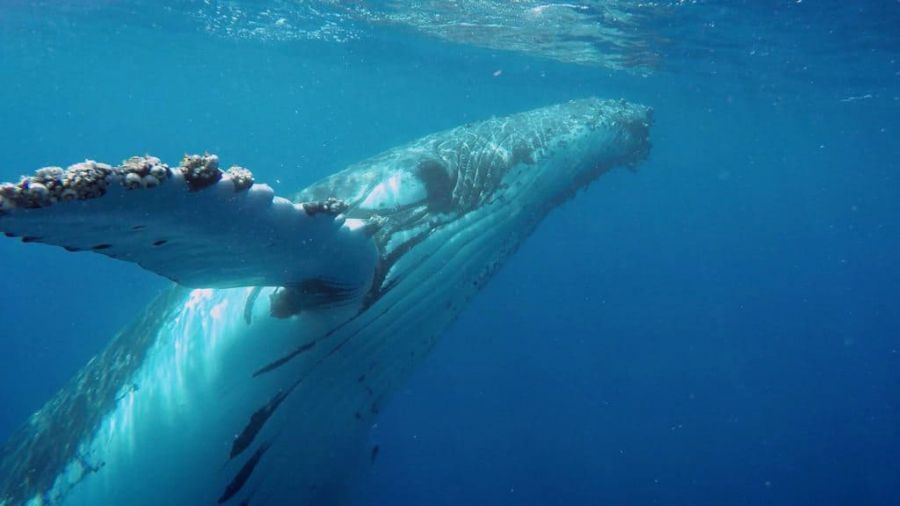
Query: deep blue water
(719, 328)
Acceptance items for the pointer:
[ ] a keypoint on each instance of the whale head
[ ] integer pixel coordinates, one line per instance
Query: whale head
(533, 161)
(479, 189)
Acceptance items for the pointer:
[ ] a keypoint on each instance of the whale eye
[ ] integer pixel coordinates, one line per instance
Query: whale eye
(438, 184)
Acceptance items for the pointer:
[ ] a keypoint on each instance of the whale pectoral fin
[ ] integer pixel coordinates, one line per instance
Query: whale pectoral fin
(194, 224)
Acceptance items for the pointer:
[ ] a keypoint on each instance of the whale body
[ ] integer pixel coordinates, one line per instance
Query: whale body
(258, 375)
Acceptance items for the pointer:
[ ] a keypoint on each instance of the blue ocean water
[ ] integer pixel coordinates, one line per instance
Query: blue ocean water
(720, 327)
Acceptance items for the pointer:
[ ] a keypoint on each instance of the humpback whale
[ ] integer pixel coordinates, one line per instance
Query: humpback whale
(257, 375)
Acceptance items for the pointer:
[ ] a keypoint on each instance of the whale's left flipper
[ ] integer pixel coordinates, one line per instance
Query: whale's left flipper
(194, 224)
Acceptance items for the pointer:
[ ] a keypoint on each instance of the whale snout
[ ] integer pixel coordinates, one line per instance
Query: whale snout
(621, 130)
(585, 138)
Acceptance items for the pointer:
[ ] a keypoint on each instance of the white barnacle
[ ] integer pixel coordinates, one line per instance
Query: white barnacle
(150, 182)
(159, 172)
(68, 194)
(211, 161)
(132, 180)
(38, 190)
(10, 196)
(49, 174)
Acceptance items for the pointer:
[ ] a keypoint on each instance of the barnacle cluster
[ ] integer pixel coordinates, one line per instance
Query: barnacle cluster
(85, 180)
(331, 206)
(50, 185)
(200, 171)
(81, 181)
(374, 224)
(142, 172)
(241, 177)
(90, 179)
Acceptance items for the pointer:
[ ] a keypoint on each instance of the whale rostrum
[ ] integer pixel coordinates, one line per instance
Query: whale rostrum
(292, 321)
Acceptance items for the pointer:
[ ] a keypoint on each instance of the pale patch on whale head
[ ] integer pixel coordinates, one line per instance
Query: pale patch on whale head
(400, 189)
